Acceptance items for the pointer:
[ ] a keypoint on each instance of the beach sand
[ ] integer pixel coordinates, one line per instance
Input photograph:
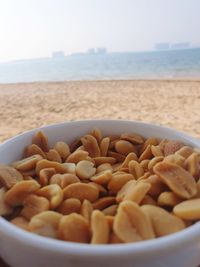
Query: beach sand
(170, 103)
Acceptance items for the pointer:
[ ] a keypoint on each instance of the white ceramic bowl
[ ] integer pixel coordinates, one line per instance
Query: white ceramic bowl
(21, 249)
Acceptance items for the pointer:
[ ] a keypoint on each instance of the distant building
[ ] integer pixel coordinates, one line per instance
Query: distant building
(101, 50)
(162, 46)
(58, 54)
(185, 45)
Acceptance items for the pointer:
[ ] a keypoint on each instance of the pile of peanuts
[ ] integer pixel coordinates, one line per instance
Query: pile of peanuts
(102, 190)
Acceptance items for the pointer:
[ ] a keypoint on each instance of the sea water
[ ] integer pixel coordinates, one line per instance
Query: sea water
(175, 64)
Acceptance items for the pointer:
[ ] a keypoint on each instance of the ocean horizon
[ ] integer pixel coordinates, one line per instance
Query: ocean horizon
(169, 64)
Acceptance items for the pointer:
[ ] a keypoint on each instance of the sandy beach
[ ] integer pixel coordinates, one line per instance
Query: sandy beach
(171, 103)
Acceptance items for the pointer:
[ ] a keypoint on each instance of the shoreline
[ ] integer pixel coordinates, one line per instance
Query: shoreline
(172, 103)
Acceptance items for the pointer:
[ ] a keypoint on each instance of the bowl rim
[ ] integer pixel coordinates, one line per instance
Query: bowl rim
(170, 242)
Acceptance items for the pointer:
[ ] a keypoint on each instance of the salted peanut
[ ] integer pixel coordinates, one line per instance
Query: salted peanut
(154, 161)
(137, 192)
(104, 167)
(86, 209)
(45, 175)
(63, 180)
(104, 145)
(41, 140)
(188, 209)
(33, 205)
(129, 157)
(146, 154)
(181, 182)
(125, 147)
(149, 141)
(9, 176)
(133, 138)
(69, 205)
(31, 173)
(90, 144)
(53, 155)
(114, 239)
(198, 190)
(102, 178)
(171, 147)
(70, 167)
(103, 203)
(60, 168)
(5, 209)
(63, 149)
(119, 157)
(116, 166)
(16, 195)
(74, 145)
(185, 151)
(97, 134)
(28, 177)
(113, 141)
(157, 186)
(45, 223)
(123, 191)
(110, 220)
(21, 222)
(27, 163)
(81, 191)
(34, 150)
(163, 222)
(176, 159)
(144, 164)
(131, 224)
(191, 164)
(102, 190)
(85, 169)
(111, 210)
(77, 156)
(74, 228)
(101, 160)
(118, 181)
(53, 193)
(135, 169)
(156, 151)
(100, 228)
(144, 177)
(169, 199)
(148, 200)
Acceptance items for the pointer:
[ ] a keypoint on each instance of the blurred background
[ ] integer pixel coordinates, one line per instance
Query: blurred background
(124, 59)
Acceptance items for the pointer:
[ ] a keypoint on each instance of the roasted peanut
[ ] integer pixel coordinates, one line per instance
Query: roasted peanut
(33, 205)
(21, 222)
(74, 228)
(53, 193)
(125, 147)
(53, 155)
(171, 147)
(148, 200)
(133, 138)
(157, 186)
(185, 151)
(101, 160)
(77, 156)
(5, 209)
(45, 175)
(16, 195)
(90, 144)
(103, 203)
(149, 141)
(176, 159)
(117, 156)
(97, 134)
(188, 209)
(85, 169)
(153, 162)
(9, 176)
(131, 224)
(102, 178)
(63, 149)
(129, 157)
(60, 168)
(104, 145)
(169, 199)
(100, 228)
(45, 223)
(111, 210)
(86, 209)
(104, 167)
(34, 150)
(156, 151)
(41, 140)
(163, 222)
(118, 181)
(135, 169)
(81, 191)
(177, 179)
(192, 165)
(69, 205)
(146, 154)
(63, 180)
(26, 164)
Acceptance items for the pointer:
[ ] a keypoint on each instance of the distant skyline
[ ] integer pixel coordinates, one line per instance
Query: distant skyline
(36, 28)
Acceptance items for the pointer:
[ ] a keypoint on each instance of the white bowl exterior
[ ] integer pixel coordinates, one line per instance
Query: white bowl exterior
(20, 248)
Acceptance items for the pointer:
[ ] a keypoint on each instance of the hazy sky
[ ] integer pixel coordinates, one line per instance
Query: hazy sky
(35, 28)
